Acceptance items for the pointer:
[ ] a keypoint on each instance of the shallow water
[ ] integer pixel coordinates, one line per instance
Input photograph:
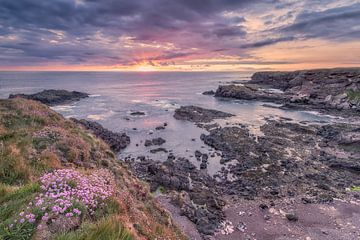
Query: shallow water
(114, 95)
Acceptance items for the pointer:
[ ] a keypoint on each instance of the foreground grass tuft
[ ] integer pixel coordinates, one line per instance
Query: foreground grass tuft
(109, 229)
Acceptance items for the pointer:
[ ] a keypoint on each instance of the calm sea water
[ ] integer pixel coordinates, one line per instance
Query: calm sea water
(114, 95)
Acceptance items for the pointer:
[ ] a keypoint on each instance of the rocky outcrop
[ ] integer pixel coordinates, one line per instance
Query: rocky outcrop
(288, 160)
(195, 193)
(211, 92)
(321, 89)
(198, 114)
(116, 141)
(247, 92)
(53, 97)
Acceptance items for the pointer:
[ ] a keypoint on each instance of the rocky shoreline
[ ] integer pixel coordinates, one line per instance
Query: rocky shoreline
(269, 179)
(327, 90)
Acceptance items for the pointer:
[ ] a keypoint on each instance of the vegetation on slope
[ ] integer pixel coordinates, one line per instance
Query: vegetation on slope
(35, 141)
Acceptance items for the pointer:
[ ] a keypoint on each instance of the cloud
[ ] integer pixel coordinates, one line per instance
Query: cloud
(161, 32)
(267, 42)
(334, 23)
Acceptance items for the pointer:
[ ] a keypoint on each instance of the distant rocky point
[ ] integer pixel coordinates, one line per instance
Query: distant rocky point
(336, 89)
(198, 114)
(53, 97)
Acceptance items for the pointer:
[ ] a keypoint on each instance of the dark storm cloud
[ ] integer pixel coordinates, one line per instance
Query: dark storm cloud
(341, 22)
(267, 42)
(91, 31)
(33, 23)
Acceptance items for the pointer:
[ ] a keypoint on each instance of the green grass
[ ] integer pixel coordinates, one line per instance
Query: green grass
(109, 229)
(355, 188)
(18, 232)
(12, 169)
(12, 201)
(354, 95)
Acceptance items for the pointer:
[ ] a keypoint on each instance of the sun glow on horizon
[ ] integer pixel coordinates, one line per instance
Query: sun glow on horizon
(144, 68)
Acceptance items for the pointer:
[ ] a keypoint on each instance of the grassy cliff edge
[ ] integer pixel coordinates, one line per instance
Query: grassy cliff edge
(35, 141)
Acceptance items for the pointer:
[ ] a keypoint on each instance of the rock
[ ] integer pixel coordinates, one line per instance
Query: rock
(263, 206)
(324, 89)
(154, 142)
(198, 114)
(137, 113)
(241, 227)
(160, 128)
(292, 217)
(203, 165)
(156, 150)
(196, 196)
(198, 154)
(211, 92)
(247, 92)
(53, 97)
(116, 141)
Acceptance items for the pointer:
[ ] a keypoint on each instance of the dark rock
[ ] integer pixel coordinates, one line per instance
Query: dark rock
(160, 128)
(154, 142)
(197, 197)
(211, 92)
(137, 113)
(53, 97)
(322, 89)
(203, 165)
(247, 92)
(116, 141)
(263, 206)
(292, 217)
(156, 150)
(198, 114)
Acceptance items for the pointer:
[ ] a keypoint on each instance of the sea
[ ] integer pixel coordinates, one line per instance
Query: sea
(115, 95)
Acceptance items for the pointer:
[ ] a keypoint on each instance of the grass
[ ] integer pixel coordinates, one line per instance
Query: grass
(12, 200)
(106, 228)
(355, 188)
(13, 169)
(354, 96)
(34, 140)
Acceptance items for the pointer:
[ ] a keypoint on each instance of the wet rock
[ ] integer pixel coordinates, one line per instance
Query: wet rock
(157, 150)
(323, 89)
(211, 92)
(203, 165)
(53, 97)
(241, 227)
(263, 206)
(197, 196)
(160, 128)
(198, 114)
(247, 92)
(292, 217)
(154, 142)
(137, 113)
(116, 141)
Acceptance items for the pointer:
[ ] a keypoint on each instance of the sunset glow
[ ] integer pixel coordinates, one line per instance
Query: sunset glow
(179, 36)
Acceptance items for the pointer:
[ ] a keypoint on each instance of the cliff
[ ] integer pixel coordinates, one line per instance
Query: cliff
(59, 181)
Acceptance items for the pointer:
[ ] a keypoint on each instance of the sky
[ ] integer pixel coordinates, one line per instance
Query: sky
(178, 35)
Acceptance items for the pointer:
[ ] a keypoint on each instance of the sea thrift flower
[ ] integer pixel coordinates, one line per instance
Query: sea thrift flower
(63, 188)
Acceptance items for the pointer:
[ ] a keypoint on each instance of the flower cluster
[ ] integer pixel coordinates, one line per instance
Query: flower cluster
(68, 192)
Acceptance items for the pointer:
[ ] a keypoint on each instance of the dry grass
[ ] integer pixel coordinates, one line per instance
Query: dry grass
(34, 139)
